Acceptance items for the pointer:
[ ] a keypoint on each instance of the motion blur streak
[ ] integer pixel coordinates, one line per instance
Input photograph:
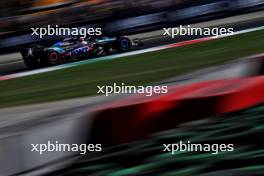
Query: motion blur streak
(182, 104)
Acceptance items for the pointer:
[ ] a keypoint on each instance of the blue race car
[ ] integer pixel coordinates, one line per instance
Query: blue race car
(76, 48)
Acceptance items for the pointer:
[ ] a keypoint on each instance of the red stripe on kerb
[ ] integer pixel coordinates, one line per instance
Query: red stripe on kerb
(3, 78)
(189, 42)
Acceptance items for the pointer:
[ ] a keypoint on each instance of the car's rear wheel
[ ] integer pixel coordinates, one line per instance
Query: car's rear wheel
(30, 60)
(54, 58)
(124, 44)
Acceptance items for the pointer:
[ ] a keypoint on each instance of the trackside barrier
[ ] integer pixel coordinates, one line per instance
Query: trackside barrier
(127, 122)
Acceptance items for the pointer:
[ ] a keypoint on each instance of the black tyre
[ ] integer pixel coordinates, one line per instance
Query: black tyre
(30, 60)
(124, 44)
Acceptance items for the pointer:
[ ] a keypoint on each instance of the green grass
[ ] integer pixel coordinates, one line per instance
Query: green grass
(137, 70)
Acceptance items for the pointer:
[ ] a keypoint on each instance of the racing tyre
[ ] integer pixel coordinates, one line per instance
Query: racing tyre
(124, 44)
(30, 60)
(54, 58)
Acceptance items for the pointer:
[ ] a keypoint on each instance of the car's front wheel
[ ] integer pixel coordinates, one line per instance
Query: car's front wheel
(124, 44)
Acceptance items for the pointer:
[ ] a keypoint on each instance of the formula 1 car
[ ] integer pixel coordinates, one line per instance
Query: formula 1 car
(76, 48)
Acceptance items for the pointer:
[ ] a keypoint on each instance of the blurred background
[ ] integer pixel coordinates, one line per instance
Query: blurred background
(62, 104)
(117, 16)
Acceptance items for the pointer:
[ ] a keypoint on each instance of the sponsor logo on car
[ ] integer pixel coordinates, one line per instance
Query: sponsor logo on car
(79, 51)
